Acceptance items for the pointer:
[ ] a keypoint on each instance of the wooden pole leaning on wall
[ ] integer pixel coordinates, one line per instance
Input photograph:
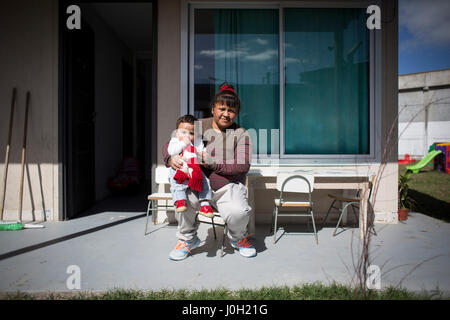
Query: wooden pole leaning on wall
(23, 156)
(5, 168)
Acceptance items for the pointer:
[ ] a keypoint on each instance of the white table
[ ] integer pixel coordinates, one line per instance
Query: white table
(327, 174)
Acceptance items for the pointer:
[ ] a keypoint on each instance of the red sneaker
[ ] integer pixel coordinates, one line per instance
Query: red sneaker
(180, 206)
(207, 211)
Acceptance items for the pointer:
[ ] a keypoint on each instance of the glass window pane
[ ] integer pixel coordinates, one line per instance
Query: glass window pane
(326, 81)
(239, 46)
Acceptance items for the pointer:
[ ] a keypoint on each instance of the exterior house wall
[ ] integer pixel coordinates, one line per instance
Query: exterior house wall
(421, 126)
(386, 185)
(29, 61)
(169, 70)
(169, 88)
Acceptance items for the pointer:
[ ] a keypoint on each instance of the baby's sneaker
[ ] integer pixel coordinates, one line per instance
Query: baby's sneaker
(207, 211)
(180, 206)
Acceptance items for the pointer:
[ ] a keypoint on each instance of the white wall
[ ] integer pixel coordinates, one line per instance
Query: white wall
(424, 111)
(29, 61)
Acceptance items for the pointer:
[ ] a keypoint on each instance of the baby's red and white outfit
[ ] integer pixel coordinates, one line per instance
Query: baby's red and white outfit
(191, 172)
(191, 169)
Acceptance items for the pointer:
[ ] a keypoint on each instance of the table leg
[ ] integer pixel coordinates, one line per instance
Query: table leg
(363, 210)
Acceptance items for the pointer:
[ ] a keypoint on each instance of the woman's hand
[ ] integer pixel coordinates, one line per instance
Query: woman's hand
(176, 162)
(205, 159)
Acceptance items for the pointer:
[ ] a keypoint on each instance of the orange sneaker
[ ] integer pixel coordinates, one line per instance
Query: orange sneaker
(245, 247)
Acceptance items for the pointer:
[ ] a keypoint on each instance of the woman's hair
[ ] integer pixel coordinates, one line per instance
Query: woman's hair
(186, 119)
(227, 96)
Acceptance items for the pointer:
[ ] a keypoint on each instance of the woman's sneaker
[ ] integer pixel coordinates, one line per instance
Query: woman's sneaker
(246, 249)
(183, 249)
(180, 206)
(207, 211)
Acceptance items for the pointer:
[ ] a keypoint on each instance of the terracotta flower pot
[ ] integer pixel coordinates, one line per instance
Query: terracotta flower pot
(402, 214)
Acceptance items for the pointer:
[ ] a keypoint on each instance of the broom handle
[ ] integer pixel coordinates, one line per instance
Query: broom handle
(23, 156)
(5, 169)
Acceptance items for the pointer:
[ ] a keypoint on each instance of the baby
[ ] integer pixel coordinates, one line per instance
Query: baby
(191, 175)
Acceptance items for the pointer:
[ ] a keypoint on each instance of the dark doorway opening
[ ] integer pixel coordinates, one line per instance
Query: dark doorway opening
(80, 100)
(107, 107)
(127, 109)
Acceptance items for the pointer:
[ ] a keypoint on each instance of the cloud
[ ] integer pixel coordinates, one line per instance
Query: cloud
(242, 54)
(291, 60)
(222, 54)
(261, 41)
(428, 22)
(211, 53)
(262, 56)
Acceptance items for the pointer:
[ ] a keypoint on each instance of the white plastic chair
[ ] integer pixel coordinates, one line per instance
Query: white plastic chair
(298, 184)
(161, 177)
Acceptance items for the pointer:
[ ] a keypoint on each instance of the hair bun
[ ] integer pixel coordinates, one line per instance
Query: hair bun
(226, 87)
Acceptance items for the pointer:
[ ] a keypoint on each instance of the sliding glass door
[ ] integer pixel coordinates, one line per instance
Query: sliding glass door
(326, 109)
(320, 102)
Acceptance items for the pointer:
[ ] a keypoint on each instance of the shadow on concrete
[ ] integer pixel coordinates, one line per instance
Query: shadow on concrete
(430, 206)
(119, 203)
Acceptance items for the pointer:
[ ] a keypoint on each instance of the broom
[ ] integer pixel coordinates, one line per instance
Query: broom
(23, 156)
(16, 225)
(5, 169)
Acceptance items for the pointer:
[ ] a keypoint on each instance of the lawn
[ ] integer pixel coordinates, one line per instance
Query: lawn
(314, 291)
(430, 190)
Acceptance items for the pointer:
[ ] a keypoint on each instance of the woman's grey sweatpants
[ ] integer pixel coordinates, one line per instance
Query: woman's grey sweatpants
(232, 205)
(178, 190)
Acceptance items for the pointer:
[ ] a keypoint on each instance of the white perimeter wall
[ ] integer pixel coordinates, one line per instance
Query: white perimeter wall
(424, 112)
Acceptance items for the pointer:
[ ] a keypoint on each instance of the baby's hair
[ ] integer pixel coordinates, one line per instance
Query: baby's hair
(188, 118)
(227, 96)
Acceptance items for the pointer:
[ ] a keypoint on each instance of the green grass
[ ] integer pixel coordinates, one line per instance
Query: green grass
(430, 190)
(315, 291)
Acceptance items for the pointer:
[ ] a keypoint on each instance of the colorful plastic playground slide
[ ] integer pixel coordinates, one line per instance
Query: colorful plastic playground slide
(422, 163)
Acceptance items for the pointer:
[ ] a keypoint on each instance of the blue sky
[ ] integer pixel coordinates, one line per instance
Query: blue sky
(424, 35)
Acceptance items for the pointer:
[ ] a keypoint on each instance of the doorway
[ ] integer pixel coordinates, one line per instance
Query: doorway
(107, 106)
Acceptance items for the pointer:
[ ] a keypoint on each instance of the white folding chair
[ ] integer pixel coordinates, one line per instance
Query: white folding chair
(161, 178)
(296, 185)
(349, 202)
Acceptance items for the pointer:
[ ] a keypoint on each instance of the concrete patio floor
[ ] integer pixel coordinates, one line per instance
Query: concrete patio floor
(112, 252)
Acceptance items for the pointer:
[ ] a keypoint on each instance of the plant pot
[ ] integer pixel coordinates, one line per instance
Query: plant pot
(402, 214)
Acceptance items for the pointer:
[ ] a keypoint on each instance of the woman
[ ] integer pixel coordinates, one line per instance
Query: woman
(226, 163)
